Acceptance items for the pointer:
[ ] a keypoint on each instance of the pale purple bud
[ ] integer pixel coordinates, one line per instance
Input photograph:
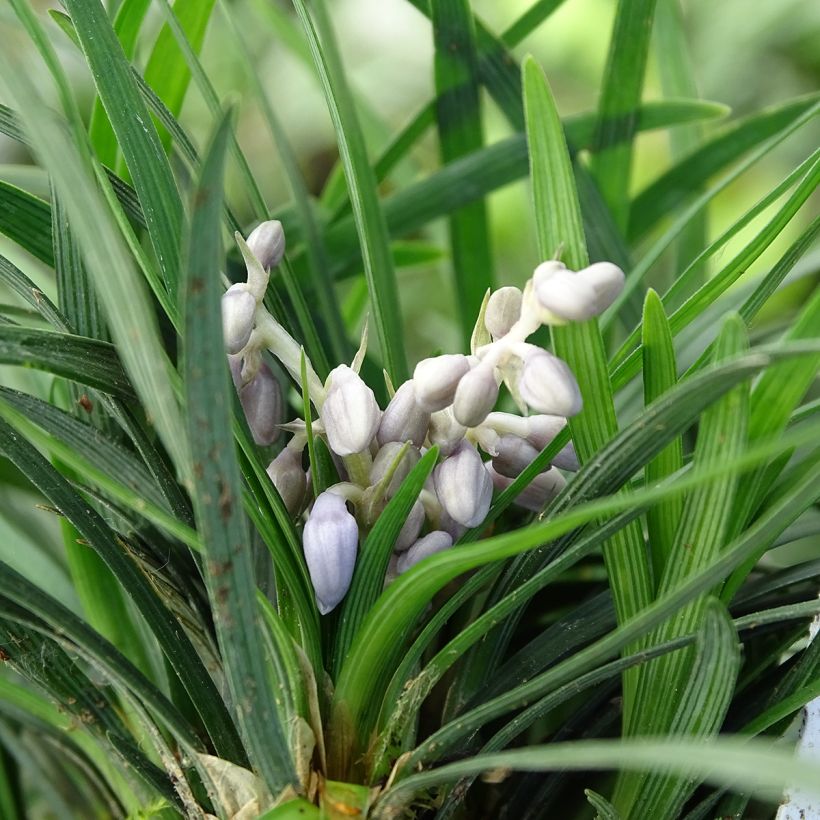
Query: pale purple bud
(384, 461)
(235, 366)
(607, 280)
(564, 296)
(445, 431)
(261, 399)
(289, 478)
(238, 311)
(476, 395)
(350, 414)
(537, 494)
(463, 487)
(437, 541)
(450, 526)
(514, 455)
(436, 380)
(404, 419)
(411, 528)
(542, 430)
(267, 243)
(503, 311)
(330, 541)
(547, 384)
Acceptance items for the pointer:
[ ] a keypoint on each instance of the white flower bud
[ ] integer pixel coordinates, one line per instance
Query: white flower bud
(411, 528)
(261, 399)
(476, 395)
(561, 296)
(436, 380)
(546, 383)
(537, 494)
(384, 461)
(445, 431)
(463, 486)
(542, 430)
(503, 311)
(607, 280)
(404, 419)
(238, 311)
(514, 455)
(289, 478)
(330, 541)
(267, 243)
(350, 414)
(429, 545)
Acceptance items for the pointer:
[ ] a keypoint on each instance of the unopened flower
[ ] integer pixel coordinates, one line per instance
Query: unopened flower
(404, 419)
(238, 310)
(607, 280)
(267, 243)
(463, 486)
(385, 460)
(411, 528)
(565, 296)
(437, 541)
(330, 540)
(436, 380)
(261, 399)
(350, 413)
(475, 395)
(514, 454)
(542, 429)
(503, 311)
(289, 478)
(445, 431)
(547, 384)
(537, 494)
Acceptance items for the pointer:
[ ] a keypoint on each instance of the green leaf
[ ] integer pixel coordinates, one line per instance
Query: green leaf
(367, 213)
(558, 226)
(458, 115)
(659, 375)
(621, 90)
(676, 185)
(604, 810)
(135, 132)
(26, 220)
(17, 282)
(216, 488)
(166, 71)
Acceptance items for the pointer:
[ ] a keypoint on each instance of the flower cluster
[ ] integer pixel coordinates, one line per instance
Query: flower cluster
(449, 402)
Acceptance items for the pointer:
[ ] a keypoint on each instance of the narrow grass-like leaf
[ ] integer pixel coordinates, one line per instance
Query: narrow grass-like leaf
(558, 226)
(604, 810)
(367, 213)
(172, 639)
(216, 485)
(621, 90)
(136, 135)
(26, 219)
(676, 185)
(17, 282)
(659, 375)
(166, 70)
(458, 114)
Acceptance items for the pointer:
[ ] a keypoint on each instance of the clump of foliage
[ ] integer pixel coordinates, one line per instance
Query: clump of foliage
(448, 609)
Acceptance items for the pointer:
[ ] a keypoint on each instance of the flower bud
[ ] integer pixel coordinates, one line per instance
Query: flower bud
(437, 541)
(267, 243)
(542, 430)
(238, 311)
(261, 399)
(463, 487)
(607, 280)
(330, 541)
(503, 311)
(384, 461)
(561, 295)
(546, 383)
(350, 414)
(514, 455)
(476, 395)
(404, 419)
(289, 478)
(411, 528)
(436, 380)
(445, 431)
(537, 494)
